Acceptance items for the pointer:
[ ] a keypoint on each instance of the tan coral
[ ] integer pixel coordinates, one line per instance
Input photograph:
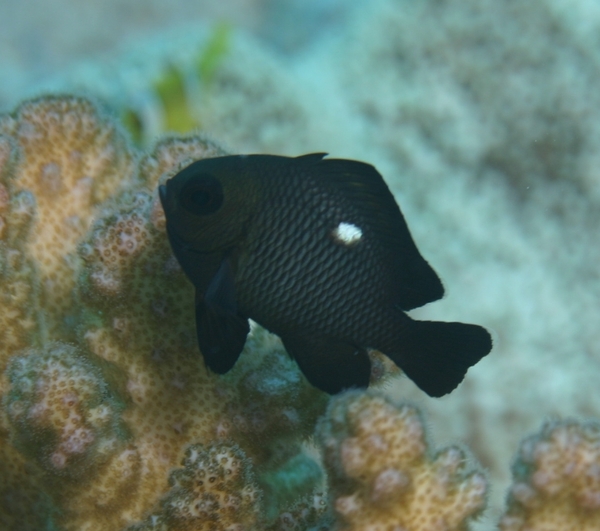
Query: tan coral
(65, 409)
(308, 513)
(17, 210)
(557, 480)
(170, 153)
(85, 260)
(382, 475)
(64, 398)
(70, 157)
(65, 159)
(215, 490)
(6, 153)
(174, 400)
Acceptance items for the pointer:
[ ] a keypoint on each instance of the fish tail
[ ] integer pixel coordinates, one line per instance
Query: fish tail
(436, 355)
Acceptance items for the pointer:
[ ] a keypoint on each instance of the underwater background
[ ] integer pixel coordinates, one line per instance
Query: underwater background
(483, 118)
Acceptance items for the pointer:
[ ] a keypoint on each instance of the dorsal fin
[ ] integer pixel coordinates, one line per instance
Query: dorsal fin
(311, 158)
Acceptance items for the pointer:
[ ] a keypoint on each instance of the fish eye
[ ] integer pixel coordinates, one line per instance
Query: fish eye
(202, 195)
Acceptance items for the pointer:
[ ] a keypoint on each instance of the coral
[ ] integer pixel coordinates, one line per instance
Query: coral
(213, 490)
(59, 158)
(382, 475)
(16, 211)
(64, 400)
(556, 480)
(69, 159)
(310, 513)
(103, 387)
(109, 419)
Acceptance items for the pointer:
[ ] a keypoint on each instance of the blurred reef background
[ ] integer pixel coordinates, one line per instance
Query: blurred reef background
(483, 116)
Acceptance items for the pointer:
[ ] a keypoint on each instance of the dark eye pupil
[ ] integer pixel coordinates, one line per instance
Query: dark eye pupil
(200, 198)
(202, 195)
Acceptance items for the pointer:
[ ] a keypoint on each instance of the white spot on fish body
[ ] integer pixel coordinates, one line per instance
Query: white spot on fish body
(347, 234)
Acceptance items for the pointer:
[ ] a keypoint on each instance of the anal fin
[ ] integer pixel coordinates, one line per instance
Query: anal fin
(329, 364)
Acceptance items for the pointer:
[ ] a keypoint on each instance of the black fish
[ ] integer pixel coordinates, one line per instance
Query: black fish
(317, 251)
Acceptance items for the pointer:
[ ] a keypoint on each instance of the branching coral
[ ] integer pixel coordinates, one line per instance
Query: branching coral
(214, 490)
(69, 158)
(382, 476)
(16, 213)
(109, 419)
(60, 158)
(64, 400)
(557, 480)
(106, 414)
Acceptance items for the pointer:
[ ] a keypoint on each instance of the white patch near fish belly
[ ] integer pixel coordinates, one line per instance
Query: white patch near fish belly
(347, 234)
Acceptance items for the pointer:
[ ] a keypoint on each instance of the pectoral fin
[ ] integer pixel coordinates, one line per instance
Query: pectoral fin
(329, 364)
(221, 331)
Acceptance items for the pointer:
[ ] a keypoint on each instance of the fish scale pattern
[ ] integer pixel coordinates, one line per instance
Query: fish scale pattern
(293, 261)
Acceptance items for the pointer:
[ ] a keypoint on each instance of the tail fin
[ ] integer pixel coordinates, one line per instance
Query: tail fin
(436, 355)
